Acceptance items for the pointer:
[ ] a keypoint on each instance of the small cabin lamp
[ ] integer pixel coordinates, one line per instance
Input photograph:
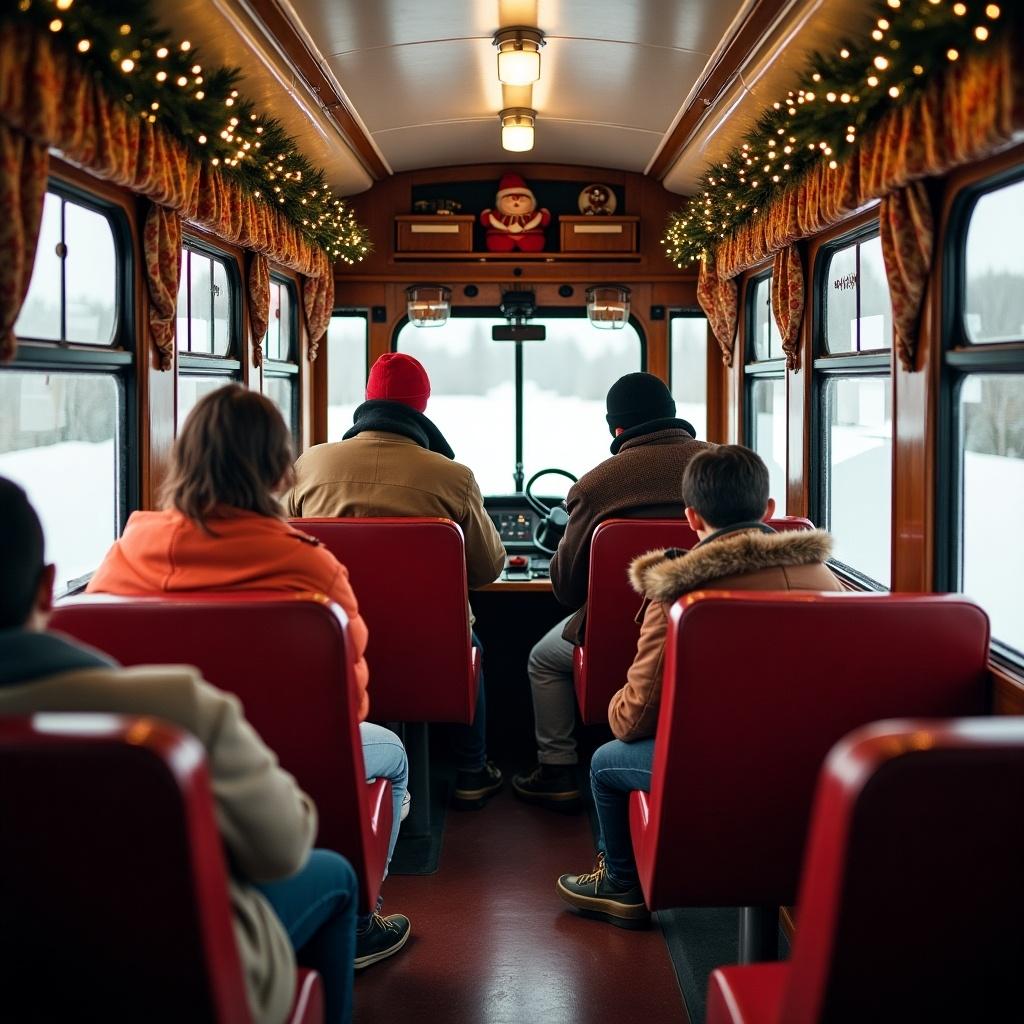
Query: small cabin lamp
(428, 305)
(608, 306)
(517, 129)
(519, 55)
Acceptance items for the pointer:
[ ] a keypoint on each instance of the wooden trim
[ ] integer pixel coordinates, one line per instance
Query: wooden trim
(305, 63)
(787, 921)
(511, 586)
(1008, 691)
(715, 78)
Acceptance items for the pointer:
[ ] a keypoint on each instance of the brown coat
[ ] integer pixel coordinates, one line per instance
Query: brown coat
(746, 560)
(382, 474)
(267, 823)
(642, 481)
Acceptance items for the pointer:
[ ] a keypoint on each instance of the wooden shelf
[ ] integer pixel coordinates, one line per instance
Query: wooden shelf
(519, 257)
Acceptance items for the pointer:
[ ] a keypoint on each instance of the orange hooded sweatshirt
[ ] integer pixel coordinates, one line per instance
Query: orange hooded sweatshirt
(166, 552)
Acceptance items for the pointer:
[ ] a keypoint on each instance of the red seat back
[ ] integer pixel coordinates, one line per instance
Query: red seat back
(287, 658)
(409, 576)
(757, 689)
(604, 658)
(112, 876)
(912, 894)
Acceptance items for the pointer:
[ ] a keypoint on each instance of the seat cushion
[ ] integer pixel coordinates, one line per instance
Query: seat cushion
(308, 1007)
(746, 995)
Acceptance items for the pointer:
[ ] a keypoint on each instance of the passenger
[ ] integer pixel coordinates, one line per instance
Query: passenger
(394, 461)
(279, 891)
(226, 531)
(650, 450)
(725, 491)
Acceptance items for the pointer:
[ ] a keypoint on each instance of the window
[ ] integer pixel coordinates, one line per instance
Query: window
(73, 295)
(562, 382)
(65, 400)
(853, 415)
(346, 370)
(858, 310)
(688, 345)
(765, 417)
(205, 298)
(206, 329)
(280, 352)
(985, 371)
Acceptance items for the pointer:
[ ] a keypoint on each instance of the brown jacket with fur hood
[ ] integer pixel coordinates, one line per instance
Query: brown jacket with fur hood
(744, 558)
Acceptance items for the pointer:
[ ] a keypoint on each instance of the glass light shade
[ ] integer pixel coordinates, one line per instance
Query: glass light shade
(608, 306)
(518, 62)
(428, 305)
(517, 130)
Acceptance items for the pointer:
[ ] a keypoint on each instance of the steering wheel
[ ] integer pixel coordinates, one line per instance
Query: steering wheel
(551, 522)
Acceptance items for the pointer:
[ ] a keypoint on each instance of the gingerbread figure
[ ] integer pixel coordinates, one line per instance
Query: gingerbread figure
(516, 223)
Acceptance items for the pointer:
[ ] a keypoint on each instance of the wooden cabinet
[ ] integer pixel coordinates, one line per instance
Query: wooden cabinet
(598, 234)
(433, 232)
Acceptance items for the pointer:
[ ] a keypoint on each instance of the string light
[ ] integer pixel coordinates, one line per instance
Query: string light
(56, 25)
(84, 45)
(127, 65)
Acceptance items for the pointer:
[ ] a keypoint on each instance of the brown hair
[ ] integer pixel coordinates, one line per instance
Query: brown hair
(727, 484)
(233, 451)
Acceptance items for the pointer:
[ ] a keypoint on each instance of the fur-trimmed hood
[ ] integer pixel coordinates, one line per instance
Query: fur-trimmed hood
(660, 576)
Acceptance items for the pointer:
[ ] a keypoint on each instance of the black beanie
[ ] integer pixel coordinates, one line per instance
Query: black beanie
(638, 398)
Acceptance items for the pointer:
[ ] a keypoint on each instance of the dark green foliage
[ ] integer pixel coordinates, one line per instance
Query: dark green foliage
(156, 75)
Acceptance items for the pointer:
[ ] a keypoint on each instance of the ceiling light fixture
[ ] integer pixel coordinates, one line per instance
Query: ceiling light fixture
(608, 306)
(517, 129)
(519, 54)
(428, 305)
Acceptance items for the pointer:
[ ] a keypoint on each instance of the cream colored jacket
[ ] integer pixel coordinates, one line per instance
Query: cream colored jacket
(268, 824)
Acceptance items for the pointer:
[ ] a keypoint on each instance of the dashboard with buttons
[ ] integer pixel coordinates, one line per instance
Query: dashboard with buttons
(515, 522)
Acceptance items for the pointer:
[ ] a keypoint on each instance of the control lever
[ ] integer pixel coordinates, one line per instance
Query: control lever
(517, 567)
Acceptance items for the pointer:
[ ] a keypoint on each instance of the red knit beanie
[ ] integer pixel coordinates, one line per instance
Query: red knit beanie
(399, 378)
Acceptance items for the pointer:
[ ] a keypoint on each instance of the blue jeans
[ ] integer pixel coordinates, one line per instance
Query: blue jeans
(317, 907)
(384, 758)
(470, 741)
(616, 770)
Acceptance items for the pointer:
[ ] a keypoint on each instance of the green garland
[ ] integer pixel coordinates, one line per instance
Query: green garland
(165, 82)
(837, 100)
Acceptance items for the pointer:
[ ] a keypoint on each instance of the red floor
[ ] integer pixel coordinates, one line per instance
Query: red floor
(493, 944)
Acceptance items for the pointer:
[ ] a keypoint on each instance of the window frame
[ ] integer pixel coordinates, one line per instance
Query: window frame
(541, 313)
(755, 369)
(287, 369)
(873, 363)
(961, 360)
(118, 359)
(232, 359)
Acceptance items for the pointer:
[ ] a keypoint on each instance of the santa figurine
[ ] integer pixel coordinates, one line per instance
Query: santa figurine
(516, 223)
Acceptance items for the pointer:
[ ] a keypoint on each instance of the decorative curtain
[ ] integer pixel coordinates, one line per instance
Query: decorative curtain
(788, 299)
(50, 98)
(161, 246)
(318, 305)
(259, 304)
(719, 300)
(907, 230)
(970, 110)
(23, 169)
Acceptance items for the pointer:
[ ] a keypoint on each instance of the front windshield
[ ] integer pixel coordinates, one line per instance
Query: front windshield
(565, 380)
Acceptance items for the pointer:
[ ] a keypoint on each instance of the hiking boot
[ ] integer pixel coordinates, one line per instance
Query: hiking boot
(596, 895)
(473, 788)
(552, 785)
(382, 937)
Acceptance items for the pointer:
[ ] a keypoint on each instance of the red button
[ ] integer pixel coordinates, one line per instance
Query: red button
(517, 561)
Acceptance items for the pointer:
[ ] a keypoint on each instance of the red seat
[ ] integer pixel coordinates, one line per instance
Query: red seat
(409, 576)
(912, 895)
(601, 662)
(112, 878)
(758, 686)
(286, 658)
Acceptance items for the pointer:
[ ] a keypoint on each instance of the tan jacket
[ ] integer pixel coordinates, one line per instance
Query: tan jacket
(267, 823)
(382, 474)
(747, 560)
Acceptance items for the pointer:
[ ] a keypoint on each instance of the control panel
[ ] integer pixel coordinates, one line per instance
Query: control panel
(515, 522)
(515, 526)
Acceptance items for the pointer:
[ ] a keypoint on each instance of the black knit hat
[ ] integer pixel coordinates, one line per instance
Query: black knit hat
(638, 398)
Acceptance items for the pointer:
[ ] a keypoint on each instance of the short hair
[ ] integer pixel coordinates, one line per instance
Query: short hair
(232, 452)
(727, 484)
(21, 555)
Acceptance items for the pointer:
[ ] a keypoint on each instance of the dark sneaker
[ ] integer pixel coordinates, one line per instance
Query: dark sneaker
(596, 895)
(552, 785)
(382, 937)
(473, 788)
